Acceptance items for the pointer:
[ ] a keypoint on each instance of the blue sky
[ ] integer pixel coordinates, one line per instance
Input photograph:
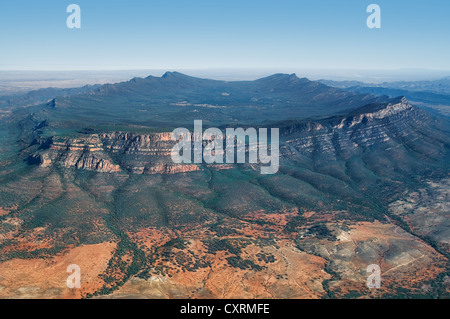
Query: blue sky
(201, 34)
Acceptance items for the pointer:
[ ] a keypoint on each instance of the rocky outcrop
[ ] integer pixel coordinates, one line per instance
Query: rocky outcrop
(136, 153)
(82, 153)
(334, 139)
(144, 153)
(157, 144)
(345, 136)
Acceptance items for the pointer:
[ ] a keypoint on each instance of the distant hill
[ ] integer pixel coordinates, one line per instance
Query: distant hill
(432, 94)
(42, 95)
(441, 86)
(178, 99)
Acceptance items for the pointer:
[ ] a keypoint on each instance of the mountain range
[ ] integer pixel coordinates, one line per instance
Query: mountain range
(433, 95)
(86, 178)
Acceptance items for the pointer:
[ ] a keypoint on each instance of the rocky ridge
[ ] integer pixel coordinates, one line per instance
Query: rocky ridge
(112, 152)
(345, 136)
(336, 138)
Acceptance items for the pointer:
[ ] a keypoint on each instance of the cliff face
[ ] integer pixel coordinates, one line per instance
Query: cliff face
(113, 152)
(82, 153)
(381, 126)
(389, 128)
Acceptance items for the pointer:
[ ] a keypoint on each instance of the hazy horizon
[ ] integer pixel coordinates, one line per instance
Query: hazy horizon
(25, 80)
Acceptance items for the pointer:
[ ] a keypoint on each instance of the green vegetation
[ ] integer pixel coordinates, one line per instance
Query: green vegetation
(321, 231)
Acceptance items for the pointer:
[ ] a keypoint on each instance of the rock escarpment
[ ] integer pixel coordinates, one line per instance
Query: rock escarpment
(112, 152)
(397, 128)
(341, 137)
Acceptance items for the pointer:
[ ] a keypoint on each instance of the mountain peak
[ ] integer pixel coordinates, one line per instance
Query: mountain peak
(282, 76)
(383, 109)
(174, 74)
